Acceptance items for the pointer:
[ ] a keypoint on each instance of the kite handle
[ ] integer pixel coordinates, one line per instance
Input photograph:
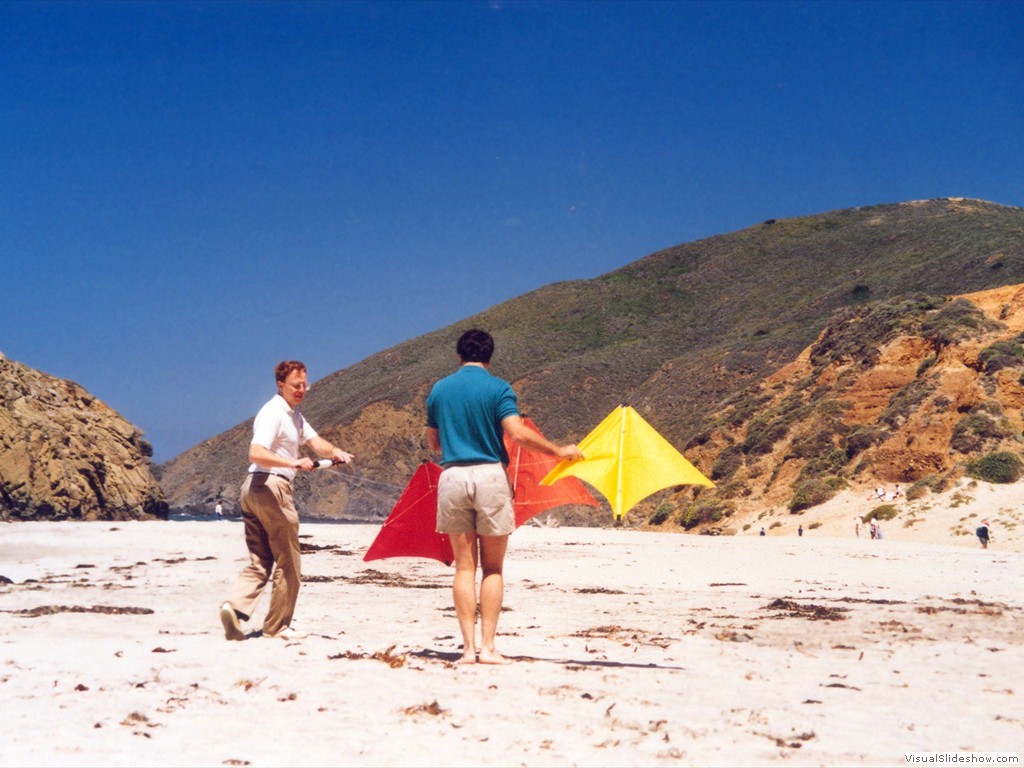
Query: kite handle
(324, 463)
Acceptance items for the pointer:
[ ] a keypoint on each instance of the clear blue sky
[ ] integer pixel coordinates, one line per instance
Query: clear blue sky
(193, 191)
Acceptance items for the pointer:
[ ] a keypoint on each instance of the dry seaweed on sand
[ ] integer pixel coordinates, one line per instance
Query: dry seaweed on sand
(811, 612)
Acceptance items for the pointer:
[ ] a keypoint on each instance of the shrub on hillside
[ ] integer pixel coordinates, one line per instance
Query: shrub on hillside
(814, 491)
(704, 511)
(905, 401)
(860, 293)
(881, 512)
(823, 436)
(794, 408)
(933, 483)
(1002, 354)
(812, 444)
(917, 490)
(971, 432)
(744, 406)
(733, 489)
(856, 333)
(762, 433)
(998, 467)
(835, 409)
(957, 320)
(861, 439)
(661, 514)
(699, 439)
(826, 463)
(991, 407)
(728, 461)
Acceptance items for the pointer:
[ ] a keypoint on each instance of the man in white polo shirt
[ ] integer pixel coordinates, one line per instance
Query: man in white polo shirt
(268, 512)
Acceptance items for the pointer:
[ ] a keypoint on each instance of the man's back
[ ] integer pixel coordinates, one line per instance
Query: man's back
(467, 408)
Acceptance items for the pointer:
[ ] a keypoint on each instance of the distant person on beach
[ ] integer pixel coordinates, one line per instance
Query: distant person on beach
(762, 532)
(983, 534)
(467, 414)
(856, 527)
(268, 512)
(800, 530)
(219, 510)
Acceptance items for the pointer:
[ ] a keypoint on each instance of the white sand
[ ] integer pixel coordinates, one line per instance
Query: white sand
(950, 517)
(633, 648)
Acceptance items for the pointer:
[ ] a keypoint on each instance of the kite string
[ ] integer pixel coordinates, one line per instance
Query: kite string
(358, 480)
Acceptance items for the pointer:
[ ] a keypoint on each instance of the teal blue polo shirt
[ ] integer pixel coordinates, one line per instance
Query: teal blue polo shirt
(466, 408)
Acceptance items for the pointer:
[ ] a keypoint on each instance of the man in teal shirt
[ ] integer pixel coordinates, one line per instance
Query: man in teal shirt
(467, 414)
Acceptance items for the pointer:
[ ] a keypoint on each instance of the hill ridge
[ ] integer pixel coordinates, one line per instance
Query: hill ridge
(674, 333)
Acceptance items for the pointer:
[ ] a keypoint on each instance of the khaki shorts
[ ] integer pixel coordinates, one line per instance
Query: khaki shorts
(475, 498)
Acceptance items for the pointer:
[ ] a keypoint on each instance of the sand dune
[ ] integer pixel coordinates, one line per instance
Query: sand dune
(632, 648)
(950, 517)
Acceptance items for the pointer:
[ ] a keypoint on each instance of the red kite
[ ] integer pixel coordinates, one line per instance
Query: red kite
(526, 468)
(409, 530)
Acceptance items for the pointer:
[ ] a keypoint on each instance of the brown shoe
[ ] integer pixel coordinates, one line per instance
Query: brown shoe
(232, 629)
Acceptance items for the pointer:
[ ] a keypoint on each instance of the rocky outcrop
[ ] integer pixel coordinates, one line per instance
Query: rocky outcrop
(64, 455)
(909, 392)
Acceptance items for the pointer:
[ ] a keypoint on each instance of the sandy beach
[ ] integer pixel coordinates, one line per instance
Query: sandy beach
(631, 648)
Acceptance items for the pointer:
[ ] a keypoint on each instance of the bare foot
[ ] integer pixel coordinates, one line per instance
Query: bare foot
(469, 658)
(493, 657)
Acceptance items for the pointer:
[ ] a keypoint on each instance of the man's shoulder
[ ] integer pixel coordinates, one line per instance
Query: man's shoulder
(274, 403)
(275, 406)
(470, 382)
(485, 381)
(441, 384)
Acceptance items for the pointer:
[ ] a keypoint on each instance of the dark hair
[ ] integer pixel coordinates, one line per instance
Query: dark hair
(285, 367)
(475, 346)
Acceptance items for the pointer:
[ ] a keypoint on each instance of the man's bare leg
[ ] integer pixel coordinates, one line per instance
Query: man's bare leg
(464, 545)
(492, 587)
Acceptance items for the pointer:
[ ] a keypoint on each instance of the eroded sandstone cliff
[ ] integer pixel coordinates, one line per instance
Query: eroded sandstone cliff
(65, 455)
(910, 392)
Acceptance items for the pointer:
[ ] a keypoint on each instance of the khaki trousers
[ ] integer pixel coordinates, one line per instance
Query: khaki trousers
(272, 537)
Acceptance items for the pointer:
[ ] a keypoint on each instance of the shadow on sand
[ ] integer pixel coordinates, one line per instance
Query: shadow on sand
(452, 657)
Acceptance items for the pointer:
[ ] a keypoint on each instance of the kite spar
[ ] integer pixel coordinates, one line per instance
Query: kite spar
(627, 460)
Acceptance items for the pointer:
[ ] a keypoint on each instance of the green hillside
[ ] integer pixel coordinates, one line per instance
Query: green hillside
(673, 334)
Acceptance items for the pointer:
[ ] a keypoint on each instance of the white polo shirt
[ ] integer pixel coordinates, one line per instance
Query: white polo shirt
(280, 429)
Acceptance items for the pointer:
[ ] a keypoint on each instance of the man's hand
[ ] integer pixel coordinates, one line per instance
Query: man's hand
(570, 452)
(341, 457)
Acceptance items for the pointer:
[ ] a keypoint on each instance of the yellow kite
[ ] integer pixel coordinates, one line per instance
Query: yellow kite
(627, 460)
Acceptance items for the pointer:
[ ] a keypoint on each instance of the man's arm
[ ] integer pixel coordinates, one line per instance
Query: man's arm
(328, 450)
(432, 437)
(521, 434)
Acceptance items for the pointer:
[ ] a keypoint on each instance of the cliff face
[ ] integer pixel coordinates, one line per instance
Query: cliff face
(912, 392)
(64, 455)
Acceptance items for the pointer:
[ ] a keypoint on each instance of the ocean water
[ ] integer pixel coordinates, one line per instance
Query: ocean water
(183, 518)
